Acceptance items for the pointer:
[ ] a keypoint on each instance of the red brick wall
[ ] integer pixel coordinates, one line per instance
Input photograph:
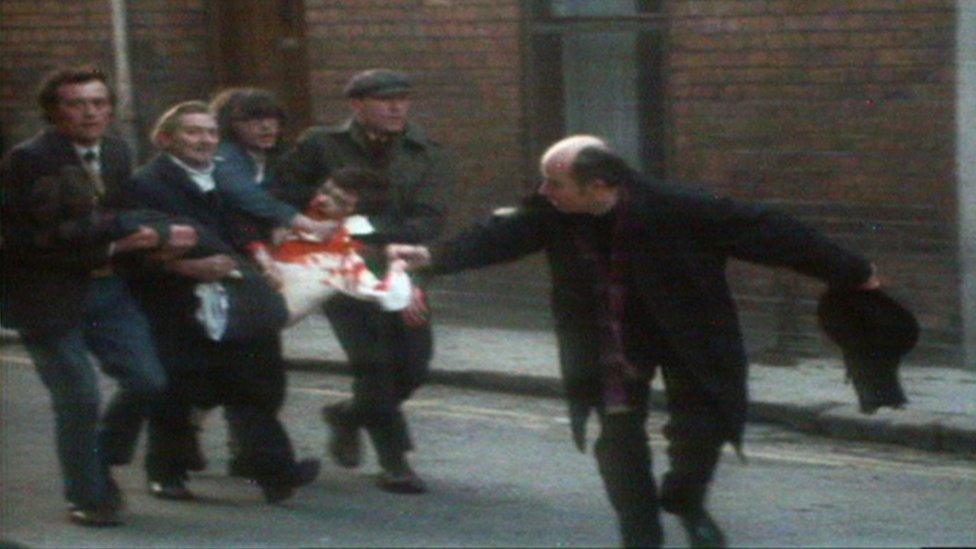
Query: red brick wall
(840, 111)
(36, 37)
(465, 58)
(169, 49)
(172, 56)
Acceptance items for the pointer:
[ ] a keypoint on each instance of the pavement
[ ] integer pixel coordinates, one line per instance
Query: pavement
(811, 396)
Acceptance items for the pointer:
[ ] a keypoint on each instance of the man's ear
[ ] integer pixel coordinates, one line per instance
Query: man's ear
(163, 141)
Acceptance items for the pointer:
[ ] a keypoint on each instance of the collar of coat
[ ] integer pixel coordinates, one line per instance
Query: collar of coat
(412, 134)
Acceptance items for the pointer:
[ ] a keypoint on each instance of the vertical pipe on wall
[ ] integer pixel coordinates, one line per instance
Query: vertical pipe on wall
(124, 111)
(966, 171)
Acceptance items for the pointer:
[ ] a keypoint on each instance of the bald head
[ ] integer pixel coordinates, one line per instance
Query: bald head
(561, 154)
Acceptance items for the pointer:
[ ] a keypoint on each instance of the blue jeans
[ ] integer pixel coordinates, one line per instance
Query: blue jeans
(116, 332)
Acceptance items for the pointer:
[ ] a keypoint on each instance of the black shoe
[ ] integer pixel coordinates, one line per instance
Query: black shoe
(702, 530)
(283, 487)
(99, 516)
(402, 480)
(170, 489)
(345, 446)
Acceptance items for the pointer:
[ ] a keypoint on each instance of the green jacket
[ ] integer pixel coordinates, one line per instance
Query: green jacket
(420, 174)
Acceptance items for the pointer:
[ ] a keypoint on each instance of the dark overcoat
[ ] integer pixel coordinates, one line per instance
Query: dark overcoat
(678, 243)
(43, 288)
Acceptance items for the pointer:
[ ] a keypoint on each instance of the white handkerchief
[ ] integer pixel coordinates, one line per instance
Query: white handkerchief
(358, 225)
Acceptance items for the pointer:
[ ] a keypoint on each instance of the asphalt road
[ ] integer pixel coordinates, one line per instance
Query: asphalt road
(502, 472)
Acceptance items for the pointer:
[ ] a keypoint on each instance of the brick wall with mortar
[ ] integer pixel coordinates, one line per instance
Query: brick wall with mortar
(33, 41)
(169, 50)
(465, 58)
(841, 112)
(838, 111)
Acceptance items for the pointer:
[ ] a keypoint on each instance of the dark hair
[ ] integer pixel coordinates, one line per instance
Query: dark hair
(599, 163)
(244, 104)
(47, 93)
(359, 180)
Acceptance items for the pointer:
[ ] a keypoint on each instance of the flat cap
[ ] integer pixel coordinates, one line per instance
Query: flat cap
(874, 332)
(377, 83)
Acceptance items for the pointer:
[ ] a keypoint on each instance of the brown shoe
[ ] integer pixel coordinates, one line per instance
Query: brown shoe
(401, 481)
(345, 446)
(97, 517)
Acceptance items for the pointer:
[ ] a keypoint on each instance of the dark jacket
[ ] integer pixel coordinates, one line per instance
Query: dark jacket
(43, 287)
(234, 172)
(679, 243)
(420, 175)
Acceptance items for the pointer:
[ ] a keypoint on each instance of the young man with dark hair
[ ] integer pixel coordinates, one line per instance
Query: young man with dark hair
(251, 121)
(61, 290)
(638, 285)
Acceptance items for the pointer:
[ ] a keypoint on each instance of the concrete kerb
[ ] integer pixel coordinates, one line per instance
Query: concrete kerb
(912, 428)
(916, 429)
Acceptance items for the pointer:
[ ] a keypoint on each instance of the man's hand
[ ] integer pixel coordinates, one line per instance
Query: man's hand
(181, 239)
(144, 238)
(207, 269)
(322, 229)
(414, 256)
(268, 267)
(416, 313)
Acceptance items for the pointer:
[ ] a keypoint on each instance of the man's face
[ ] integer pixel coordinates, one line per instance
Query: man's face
(334, 202)
(258, 134)
(563, 192)
(194, 141)
(382, 114)
(83, 111)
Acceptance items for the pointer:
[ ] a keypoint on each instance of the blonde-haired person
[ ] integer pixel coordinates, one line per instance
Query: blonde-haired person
(246, 376)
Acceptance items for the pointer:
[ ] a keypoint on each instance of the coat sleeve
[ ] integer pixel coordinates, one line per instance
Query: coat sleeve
(235, 184)
(80, 242)
(423, 214)
(500, 239)
(760, 235)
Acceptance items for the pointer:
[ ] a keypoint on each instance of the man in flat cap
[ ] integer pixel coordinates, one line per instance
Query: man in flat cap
(389, 353)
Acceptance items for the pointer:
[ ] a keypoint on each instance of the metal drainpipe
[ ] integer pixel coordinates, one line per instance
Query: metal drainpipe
(966, 171)
(124, 112)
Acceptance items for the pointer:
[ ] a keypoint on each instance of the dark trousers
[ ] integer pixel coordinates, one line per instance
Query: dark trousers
(248, 379)
(116, 332)
(624, 457)
(389, 361)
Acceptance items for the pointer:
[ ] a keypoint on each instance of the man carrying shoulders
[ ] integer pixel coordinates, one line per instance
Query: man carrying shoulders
(245, 375)
(389, 353)
(60, 289)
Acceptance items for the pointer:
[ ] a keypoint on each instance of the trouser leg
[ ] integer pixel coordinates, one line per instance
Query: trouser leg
(255, 379)
(118, 334)
(64, 367)
(170, 433)
(695, 441)
(389, 361)
(624, 460)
